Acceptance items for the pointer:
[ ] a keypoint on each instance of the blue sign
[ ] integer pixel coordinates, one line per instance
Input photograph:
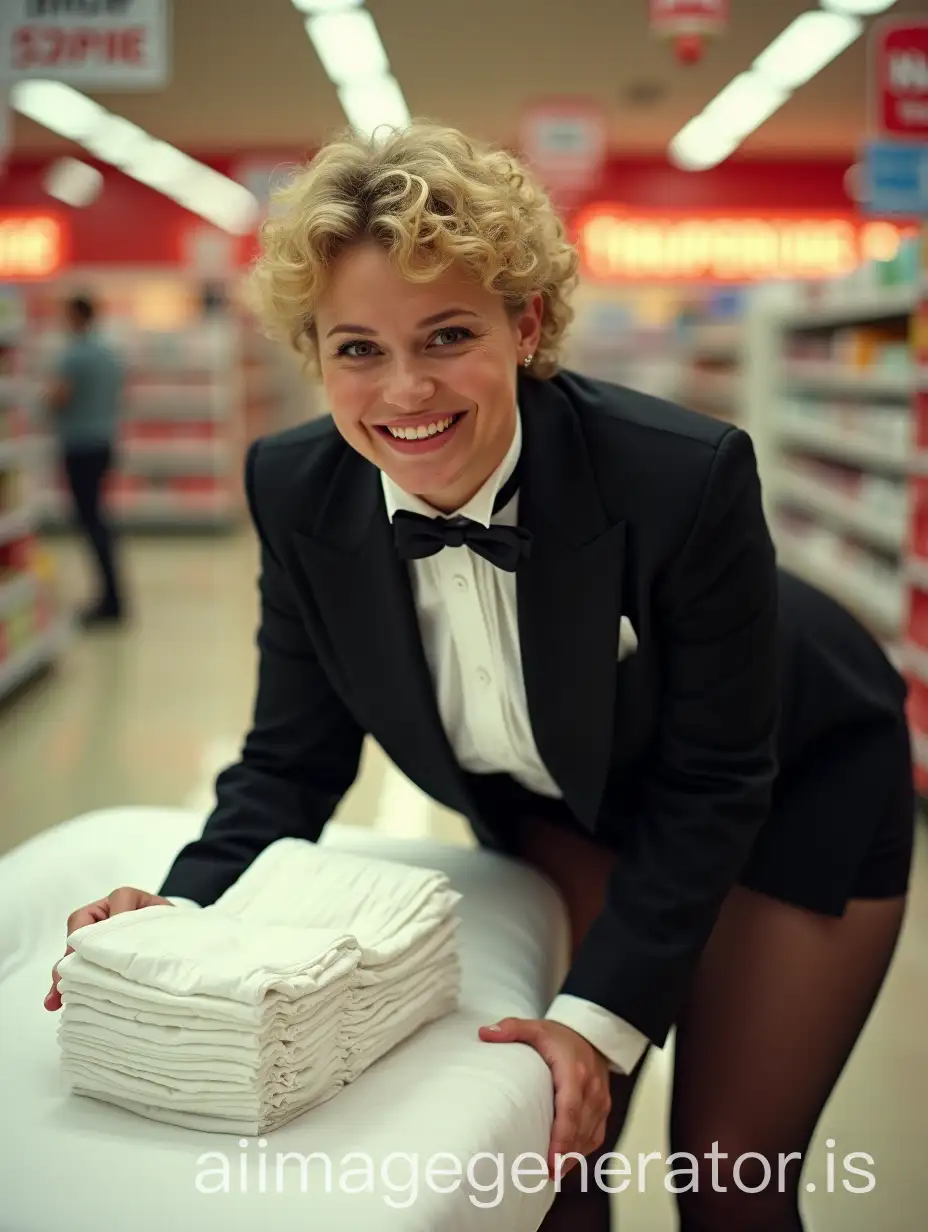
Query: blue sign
(895, 179)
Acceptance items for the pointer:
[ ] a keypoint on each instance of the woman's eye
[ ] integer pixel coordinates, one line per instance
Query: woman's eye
(350, 349)
(453, 333)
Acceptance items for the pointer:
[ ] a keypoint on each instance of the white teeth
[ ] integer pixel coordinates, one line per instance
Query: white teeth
(424, 430)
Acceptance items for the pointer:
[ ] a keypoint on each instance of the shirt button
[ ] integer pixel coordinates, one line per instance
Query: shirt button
(483, 675)
(460, 582)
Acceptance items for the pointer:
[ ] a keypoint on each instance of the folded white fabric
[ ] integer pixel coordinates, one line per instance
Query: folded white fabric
(240, 1016)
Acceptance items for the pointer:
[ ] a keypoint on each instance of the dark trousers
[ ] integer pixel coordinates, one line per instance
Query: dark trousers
(86, 470)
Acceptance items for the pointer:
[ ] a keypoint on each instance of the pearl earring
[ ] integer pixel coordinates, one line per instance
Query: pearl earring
(528, 360)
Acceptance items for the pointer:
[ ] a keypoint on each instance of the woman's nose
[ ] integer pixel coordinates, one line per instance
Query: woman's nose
(408, 387)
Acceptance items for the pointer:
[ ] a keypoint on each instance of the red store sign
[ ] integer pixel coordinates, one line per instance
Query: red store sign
(900, 79)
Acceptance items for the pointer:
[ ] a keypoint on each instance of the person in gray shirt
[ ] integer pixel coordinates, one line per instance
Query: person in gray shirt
(86, 401)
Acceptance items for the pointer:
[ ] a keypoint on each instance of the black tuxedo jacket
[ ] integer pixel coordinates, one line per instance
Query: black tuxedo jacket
(637, 508)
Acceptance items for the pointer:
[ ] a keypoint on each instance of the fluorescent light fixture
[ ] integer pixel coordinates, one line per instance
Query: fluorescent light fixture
(57, 107)
(73, 182)
(348, 45)
(160, 165)
(744, 104)
(116, 140)
(701, 144)
(325, 6)
(813, 40)
(215, 197)
(369, 104)
(858, 8)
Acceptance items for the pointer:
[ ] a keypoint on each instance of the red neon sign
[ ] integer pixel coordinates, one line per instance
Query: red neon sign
(618, 245)
(32, 245)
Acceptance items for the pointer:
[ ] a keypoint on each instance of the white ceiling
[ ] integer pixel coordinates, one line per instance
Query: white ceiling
(245, 75)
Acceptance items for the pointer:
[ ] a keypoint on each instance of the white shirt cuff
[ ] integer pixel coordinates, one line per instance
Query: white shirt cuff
(620, 1043)
(183, 902)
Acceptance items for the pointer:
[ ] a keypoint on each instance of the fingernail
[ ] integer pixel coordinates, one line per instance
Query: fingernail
(495, 1027)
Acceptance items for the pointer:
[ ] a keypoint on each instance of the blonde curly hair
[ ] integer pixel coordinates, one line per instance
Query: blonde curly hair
(430, 196)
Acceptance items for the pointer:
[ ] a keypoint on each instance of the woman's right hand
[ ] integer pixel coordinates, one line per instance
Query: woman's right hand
(123, 899)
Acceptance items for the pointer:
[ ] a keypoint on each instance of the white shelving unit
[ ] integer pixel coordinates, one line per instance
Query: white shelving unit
(833, 385)
(32, 633)
(830, 410)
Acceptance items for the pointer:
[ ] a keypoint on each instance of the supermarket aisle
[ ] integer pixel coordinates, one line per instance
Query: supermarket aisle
(149, 714)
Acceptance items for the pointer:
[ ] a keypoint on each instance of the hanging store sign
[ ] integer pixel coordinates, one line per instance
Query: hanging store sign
(899, 79)
(95, 44)
(687, 23)
(33, 245)
(618, 245)
(565, 141)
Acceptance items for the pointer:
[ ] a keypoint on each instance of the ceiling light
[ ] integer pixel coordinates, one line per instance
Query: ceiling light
(116, 140)
(348, 45)
(57, 107)
(160, 165)
(813, 40)
(214, 196)
(858, 8)
(369, 104)
(73, 182)
(745, 103)
(701, 144)
(325, 6)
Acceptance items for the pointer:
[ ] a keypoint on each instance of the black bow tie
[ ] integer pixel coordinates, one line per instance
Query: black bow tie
(417, 536)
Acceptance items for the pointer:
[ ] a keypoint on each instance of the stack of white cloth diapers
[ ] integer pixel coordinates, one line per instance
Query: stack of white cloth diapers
(240, 1016)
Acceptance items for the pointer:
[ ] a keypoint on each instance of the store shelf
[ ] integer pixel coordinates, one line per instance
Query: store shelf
(17, 592)
(854, 448)
(915, 662)
(25, 663)
(16, 525)
(177, 458)
(879, 607)
(881, 528)
(857, 308)
(10, 388)
(822, 375)
(151, 510)
(717, 340)
(920, 750)
(13, 452)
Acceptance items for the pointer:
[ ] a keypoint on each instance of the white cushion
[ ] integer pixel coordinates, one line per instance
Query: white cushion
(443, 1093)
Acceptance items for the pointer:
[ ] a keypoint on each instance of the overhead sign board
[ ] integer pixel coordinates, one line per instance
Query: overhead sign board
(625, 245)
(94, 44)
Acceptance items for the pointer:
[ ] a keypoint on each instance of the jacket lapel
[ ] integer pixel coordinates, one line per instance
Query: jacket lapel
(569, 599)
(364, 598)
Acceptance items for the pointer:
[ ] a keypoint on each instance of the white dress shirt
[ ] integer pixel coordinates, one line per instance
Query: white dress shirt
(468, 619)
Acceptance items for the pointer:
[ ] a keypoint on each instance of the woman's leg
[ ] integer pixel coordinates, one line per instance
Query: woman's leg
(580, 869)
(777, 1003)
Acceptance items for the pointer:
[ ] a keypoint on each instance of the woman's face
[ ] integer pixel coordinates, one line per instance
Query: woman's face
(421, 377)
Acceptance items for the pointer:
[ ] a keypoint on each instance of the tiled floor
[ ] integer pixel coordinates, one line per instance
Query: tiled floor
(147, 716)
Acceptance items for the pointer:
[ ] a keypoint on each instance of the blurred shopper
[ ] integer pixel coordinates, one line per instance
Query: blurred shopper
(86, 402)
(555, 603)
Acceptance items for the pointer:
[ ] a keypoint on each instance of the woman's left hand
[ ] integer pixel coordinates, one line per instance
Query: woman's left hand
(581, 1083)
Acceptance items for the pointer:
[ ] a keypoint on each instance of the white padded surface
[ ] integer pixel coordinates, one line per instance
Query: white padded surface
(74, 1162)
